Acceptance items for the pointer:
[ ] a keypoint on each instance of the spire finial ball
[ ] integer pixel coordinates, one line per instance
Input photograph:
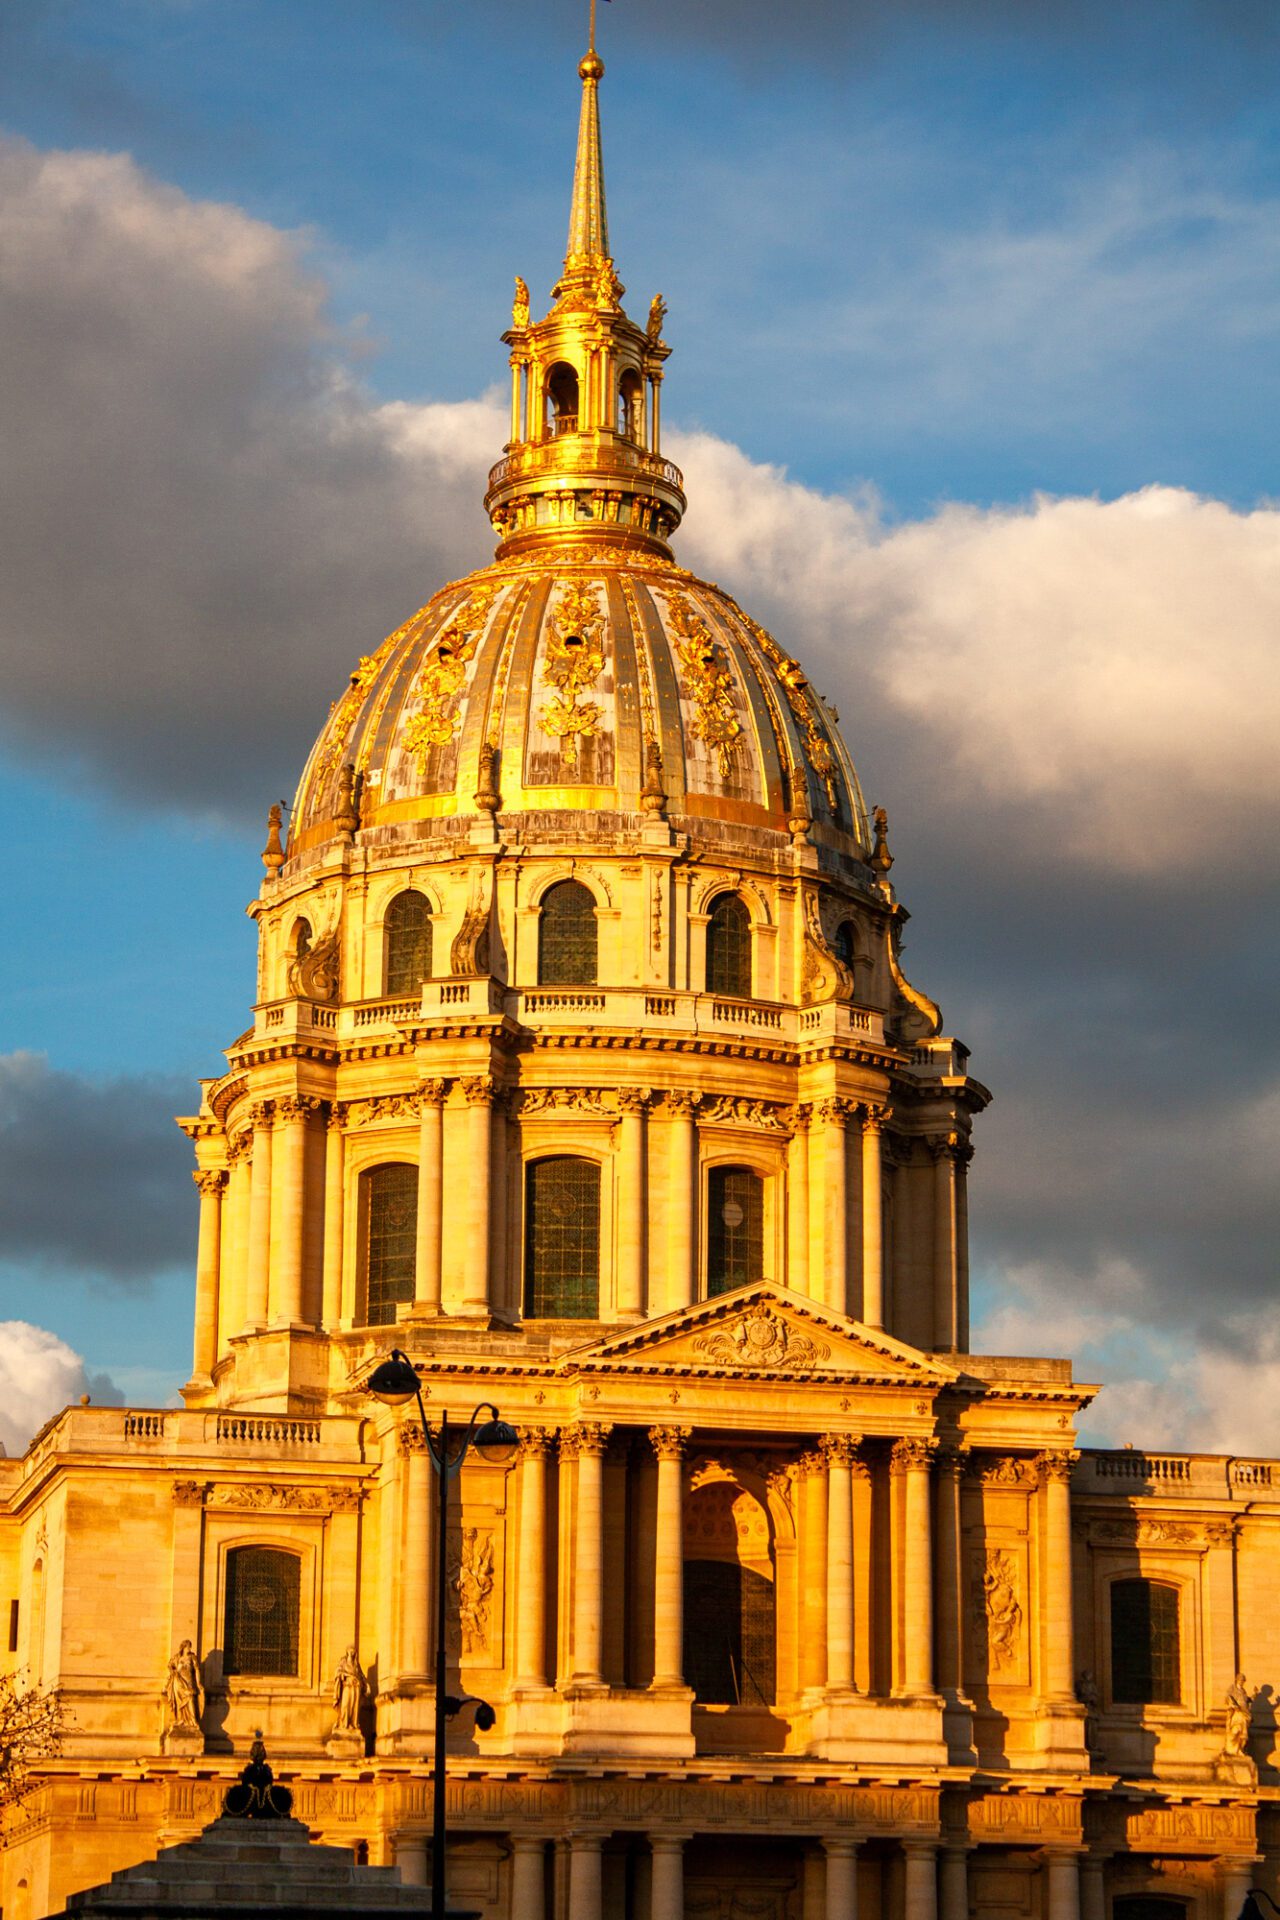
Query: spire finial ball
(591, 67)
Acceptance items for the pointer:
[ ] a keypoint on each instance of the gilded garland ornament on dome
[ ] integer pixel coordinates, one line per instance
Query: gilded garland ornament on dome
(573, 663)
(444, 675)
(707, 680)
(795, 685)
(343, 713)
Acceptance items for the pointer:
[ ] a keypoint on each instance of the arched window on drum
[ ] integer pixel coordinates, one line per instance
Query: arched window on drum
(562, 400)
(562, 1239)
(735, 1228)
(388, 1239)
(567, 936)
(729, 948)
(407, 943)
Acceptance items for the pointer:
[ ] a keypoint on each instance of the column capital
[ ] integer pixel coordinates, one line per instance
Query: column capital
(839, 1844)
(262, 1113)
(209, 1182)
(796, 1118)
(239, 1146)
(536, 1443)
(478, 1091)
(812, 1464)
(1056, 1467)
(411, 1439)
(911, 1455)
(669, 1443)
(953, 1458)
(431, 1092)
(590, 1439)
(873, 1117)
(667, 1842)
(295, 1107)
(841, 1449)
(633, 1103)
(337, 1117)
(685, 1104)
(836, 1111)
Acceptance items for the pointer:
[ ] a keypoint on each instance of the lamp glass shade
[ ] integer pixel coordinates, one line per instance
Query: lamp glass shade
(394, 1381)
(496, 1442)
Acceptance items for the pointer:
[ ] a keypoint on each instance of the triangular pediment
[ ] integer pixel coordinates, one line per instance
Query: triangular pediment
(760, 1330)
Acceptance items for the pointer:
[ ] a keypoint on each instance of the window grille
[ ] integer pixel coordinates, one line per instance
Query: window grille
(567, 936)
(261, 1629)
(407, 931)
(390, 1239)
(730, 1638)
(1145, 1664)
(735, 1228)
(562, 1239)
(729, 948)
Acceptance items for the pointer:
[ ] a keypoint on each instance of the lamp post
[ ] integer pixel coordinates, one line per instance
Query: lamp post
(395, 1383)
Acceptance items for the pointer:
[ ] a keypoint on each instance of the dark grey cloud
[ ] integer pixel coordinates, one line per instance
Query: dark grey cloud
(94, 1176)
(203, 522)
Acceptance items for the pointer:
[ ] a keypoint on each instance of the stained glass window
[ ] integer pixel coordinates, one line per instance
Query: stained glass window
(408, 942)
(730, 1639)
(390, 1239)
(735, 1228)
(562, 1239)
(567, 936)
(729, 948)
(1145, 1664)
(261, 1626)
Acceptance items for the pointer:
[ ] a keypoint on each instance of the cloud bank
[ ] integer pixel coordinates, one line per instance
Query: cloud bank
(39, 1375)
(1070, 706)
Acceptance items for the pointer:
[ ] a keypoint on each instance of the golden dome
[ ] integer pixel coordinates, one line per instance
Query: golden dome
(584, 673)
(582, 680)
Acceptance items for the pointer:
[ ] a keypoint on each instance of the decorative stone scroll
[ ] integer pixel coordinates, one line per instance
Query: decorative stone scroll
(759, 1338)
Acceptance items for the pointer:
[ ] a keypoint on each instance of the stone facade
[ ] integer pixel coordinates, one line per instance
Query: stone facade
(922, 1695)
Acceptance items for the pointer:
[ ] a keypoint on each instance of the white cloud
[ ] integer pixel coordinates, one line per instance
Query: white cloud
(1109, 664)
(39, 1375)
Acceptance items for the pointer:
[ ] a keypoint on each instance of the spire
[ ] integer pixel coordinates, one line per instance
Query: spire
(588, 220)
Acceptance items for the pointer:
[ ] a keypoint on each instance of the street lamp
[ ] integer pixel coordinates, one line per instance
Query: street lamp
(395, 1383)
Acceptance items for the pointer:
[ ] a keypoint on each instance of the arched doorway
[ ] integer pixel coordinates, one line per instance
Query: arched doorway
(730, 1611)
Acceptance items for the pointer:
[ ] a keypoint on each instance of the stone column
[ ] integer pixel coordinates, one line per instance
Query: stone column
(798, 1202)
(1058, 1666)
(963, 1157)
(632, 1107)
(950, 1613)
(842, 1879)
(953, 1884)
(666, 1898)
(910, 1459)
(834, 1186)
(335, 1202)
(209, 1184)
(1093, 1890)
(415, 1568)
(1063, 1874)
(588, 1444)
(234, 1252)
(584, 1876)
(531, 1605)
(841, 1450)
(426, 1288)
(259, 1262)
(528, 1876)
(920, 1900)
(872, 1220)
(682, 1163)
(411, 1858)
(1237, 1878)
(944, 1242)
(668, 1575)
(813, 1572)
(479, 1097)
(286, 1290)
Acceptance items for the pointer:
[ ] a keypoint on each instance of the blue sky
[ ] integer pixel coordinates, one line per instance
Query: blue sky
(933, 261)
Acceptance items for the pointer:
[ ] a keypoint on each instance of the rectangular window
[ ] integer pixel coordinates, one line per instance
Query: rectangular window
(735, 1228)
(391, 1239)
(13, 1626)
(264, 1587)
(562, 1239)
(1145, 1656)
